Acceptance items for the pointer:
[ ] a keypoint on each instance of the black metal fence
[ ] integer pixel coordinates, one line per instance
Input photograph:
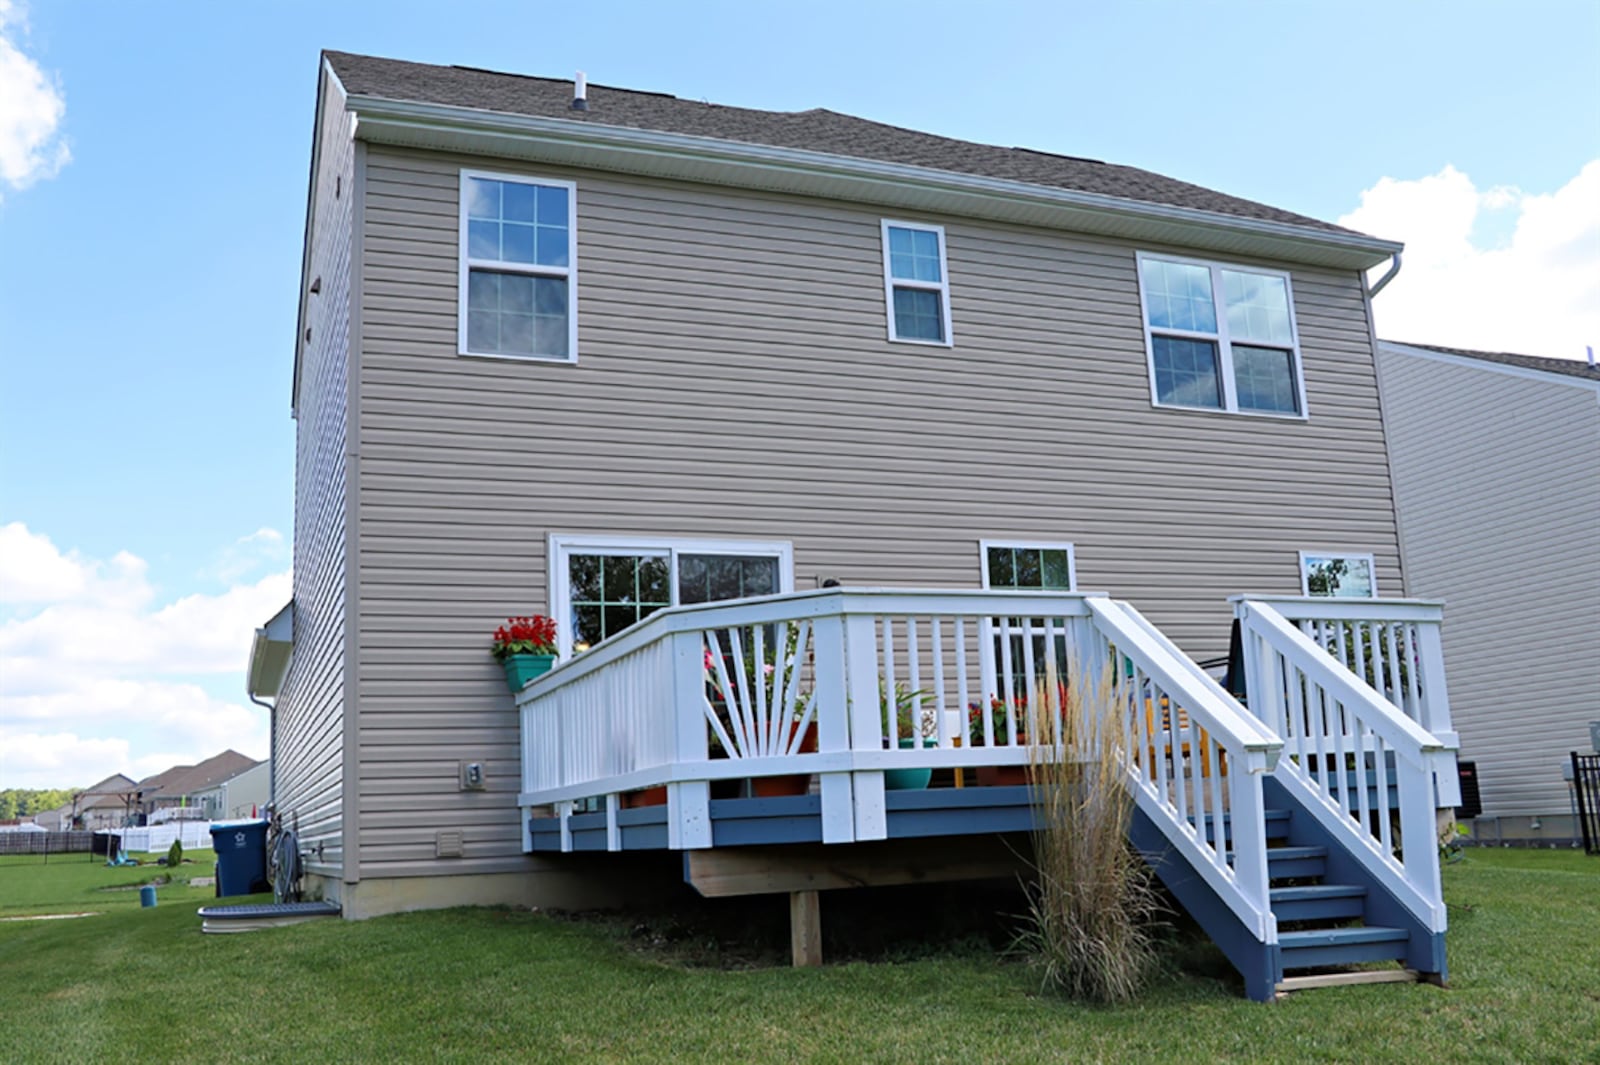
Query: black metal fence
(1586, 782)
(45, 842)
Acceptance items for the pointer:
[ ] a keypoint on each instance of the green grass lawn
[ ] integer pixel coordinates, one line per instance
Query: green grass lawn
(496, 985)
(71, 883)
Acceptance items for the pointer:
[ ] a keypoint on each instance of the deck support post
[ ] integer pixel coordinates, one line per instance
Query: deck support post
(805, 928)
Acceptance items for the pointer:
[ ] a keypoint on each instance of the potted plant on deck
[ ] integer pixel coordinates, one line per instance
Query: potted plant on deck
(911, 724)
(989, 775)
(526, 647)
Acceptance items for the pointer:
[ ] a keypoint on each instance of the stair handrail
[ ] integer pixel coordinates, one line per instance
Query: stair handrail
(1397, 728)
(1413, 877)
(1250, 747)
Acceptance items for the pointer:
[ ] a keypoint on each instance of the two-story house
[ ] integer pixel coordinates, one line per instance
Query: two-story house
(601, 353)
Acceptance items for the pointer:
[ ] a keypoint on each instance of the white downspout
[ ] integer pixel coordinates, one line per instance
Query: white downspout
(1394, 268)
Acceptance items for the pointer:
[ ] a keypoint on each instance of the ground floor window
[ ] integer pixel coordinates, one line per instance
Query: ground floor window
(600, 586)
(1024, 566)
(1346, 575)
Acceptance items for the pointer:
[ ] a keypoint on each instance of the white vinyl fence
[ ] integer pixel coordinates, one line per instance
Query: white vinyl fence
(159, 837)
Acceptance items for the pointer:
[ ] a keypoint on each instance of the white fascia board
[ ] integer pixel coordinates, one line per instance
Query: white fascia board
(1526, 372)
(439, 127)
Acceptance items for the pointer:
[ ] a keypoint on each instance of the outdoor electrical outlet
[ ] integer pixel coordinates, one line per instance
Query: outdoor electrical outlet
(473, 777)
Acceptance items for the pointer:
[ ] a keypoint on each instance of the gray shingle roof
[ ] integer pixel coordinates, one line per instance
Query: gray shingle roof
(1565, 367)
(814, 130)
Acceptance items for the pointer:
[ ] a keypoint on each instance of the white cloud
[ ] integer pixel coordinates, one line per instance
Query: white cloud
(31, 111)
(248, 554)
(100, 660)
(1537, 293)
(33, 571)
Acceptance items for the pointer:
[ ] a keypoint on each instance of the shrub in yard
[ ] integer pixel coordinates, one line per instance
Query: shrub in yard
(1092, 905)
(175, 854)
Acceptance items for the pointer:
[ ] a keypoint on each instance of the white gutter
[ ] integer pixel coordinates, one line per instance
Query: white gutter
(439, 126)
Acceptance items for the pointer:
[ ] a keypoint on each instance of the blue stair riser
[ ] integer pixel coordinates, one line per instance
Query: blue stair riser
(1277, 827)
(1341, 903)
(1285, 863)
(1340, 946)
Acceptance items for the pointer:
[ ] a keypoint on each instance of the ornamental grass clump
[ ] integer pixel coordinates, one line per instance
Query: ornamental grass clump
(1092, 904)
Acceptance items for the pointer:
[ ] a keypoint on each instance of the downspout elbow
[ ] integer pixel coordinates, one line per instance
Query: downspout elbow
(1389, 275)
(272, 741)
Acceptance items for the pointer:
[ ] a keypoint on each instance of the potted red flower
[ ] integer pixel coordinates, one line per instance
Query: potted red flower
(526, 647)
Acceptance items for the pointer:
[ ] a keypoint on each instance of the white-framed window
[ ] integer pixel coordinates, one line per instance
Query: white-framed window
(519, 267)
(600, 585)
(1028, 565)
(1220, 337)
(1345, 574)
(916, 283)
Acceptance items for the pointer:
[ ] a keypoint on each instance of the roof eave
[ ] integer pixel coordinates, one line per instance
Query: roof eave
(440, 127)
(270, 651)
(1506, 369)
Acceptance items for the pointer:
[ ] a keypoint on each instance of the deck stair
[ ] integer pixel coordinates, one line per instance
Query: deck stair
(1323, 926)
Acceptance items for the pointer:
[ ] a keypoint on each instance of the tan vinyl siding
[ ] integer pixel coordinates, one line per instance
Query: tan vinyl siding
(310, 709)
(1499, 499)
(734, 380)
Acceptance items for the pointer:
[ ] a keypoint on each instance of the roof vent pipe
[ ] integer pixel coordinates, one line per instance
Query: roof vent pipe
(580, 92)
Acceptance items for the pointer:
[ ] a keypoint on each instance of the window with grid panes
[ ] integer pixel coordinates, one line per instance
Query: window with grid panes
(1220, 337)
(517, 267)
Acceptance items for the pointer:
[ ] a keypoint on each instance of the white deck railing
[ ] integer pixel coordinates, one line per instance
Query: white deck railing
(730, 690)
(1311, 669)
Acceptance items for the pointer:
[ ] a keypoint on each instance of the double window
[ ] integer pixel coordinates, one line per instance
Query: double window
(1342, 575)
(916, 283)
(600, 586)
(518, 267)
(1220, 337)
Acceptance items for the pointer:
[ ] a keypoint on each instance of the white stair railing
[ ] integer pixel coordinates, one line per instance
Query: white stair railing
(1346, 750)
(1396, 646)
(1195, 757)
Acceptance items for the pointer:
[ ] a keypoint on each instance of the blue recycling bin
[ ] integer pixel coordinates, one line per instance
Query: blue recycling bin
(241, 848)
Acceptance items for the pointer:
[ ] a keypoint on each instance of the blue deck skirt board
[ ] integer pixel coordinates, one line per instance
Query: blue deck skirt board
(1256, 961)
(959, 811)
(1424, 949)
(798, 819)
(780, 819)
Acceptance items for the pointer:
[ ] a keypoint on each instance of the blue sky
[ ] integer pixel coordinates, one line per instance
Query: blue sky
(147, 283)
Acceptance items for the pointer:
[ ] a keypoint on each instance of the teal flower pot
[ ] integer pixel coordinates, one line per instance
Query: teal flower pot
(908, 779)
(520, 669)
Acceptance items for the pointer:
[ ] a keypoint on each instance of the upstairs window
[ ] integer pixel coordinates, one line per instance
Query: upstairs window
(518, 267)
(1343, 575)
(916, 283)
(1220, 337)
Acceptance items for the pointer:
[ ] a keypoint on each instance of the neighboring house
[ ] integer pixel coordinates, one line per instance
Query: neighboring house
(244, 794)
(660, 352)
(175, 793)
(106, 804)
(1496, 461)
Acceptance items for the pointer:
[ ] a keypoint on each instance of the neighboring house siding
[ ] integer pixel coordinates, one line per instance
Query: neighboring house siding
(310, 707)
(1495, 477)
(734, 380)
